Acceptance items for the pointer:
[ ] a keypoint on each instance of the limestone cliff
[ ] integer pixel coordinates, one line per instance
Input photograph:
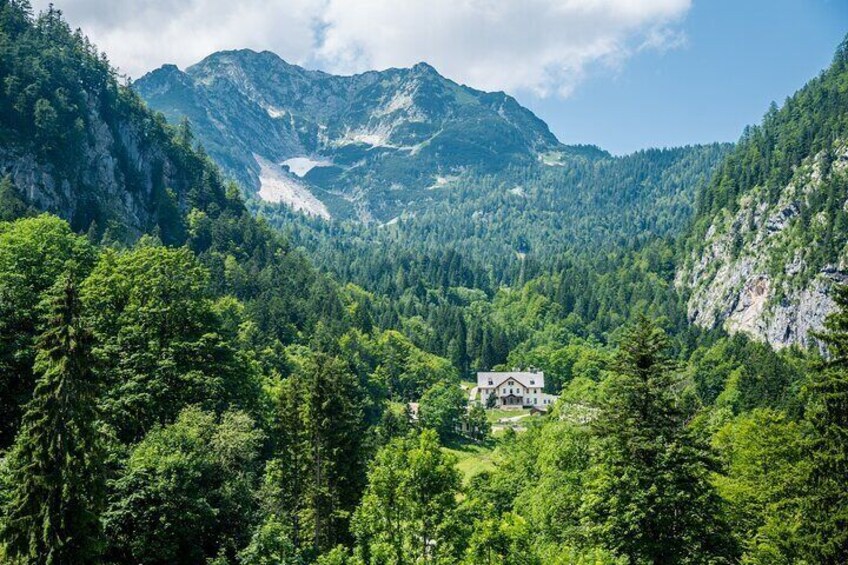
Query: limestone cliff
(755, 275)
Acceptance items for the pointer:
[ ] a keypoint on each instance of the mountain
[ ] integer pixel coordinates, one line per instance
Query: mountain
(76, 143)
(367, 146)
(498, 225)
(770, 234)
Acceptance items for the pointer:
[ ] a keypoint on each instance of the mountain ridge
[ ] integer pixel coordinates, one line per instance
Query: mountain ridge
(378, 139)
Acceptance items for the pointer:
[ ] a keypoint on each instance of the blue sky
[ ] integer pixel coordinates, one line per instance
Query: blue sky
(738, 57)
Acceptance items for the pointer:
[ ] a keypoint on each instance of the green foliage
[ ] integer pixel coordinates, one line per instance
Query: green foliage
(42, 60)
(478, 422)
(34, 254)
(186, 492)
(827, 506)
(160, 343)
(270, 545)
(507, 541)
(648, 496)
(764, 471)
(335, 425)
(54, 479)
(741, 374)
(443, 408)
(407, 370)
(317, 475)
(406, 511)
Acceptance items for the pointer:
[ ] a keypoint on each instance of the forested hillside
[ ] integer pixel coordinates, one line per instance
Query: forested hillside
(77, 144)
(190, 389)
(769, 239)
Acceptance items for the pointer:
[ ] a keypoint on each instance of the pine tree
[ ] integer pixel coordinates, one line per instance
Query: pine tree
(55, 479)
(649, 497)
(335, 424)
(827, 506)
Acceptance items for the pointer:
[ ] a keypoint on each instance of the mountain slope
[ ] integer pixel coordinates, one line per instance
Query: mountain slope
(76, 143)
(366, 145)
(770, 235)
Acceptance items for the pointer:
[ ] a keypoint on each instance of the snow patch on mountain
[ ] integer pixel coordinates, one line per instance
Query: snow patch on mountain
(275, 185)
(376, 138)
(401, 101)
(301, 165)
(275, 112)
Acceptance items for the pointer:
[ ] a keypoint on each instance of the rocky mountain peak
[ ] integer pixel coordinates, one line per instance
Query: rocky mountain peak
(377, 139)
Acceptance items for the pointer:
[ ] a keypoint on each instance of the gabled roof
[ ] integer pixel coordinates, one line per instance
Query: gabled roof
(523, 378)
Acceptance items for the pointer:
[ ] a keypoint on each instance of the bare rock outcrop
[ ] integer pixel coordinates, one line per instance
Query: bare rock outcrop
(752, 273)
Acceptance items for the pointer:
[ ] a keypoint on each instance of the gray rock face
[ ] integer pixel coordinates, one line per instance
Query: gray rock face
(378, 140)
(752, 276)
(113, 182)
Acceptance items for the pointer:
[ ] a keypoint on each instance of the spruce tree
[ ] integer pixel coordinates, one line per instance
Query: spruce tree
(826, 528)
(54, 477)
(648, 495)
(335, 426)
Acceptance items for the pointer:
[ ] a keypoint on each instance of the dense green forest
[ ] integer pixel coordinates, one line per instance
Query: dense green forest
(203, 394)
(800, 143)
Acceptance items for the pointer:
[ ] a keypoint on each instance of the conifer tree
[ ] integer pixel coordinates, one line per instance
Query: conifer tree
(648, 495)
(335, 426)
(827, 506)
(55, 478)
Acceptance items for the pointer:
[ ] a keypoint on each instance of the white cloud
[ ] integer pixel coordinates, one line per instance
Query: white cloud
(540, 45)
(140, 35)
(543, 46)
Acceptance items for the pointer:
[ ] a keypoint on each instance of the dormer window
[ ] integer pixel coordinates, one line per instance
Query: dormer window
(532, 382)
(490, 382)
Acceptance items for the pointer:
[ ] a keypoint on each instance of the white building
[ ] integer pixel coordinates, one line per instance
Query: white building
(513, 389)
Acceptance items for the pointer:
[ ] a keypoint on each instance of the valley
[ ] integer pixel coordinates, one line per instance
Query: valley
(247, 310)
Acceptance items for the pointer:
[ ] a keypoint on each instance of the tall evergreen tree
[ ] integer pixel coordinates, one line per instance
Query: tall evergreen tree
(335, 425)
(648, 495)
(826, 526)
(55, 478)
(287, 476)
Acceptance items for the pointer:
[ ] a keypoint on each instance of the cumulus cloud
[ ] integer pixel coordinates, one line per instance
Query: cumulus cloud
(140, 35)
(543, 46)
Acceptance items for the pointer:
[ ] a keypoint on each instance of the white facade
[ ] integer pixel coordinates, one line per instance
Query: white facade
(514, 389)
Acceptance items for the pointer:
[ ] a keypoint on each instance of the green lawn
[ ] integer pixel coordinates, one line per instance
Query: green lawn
(495, 415)
(473, 459)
